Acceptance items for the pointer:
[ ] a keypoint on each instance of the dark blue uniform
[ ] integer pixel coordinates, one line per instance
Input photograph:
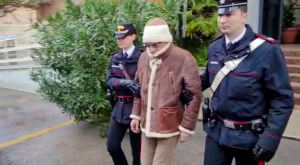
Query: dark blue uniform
(120, 121)
(258, 86)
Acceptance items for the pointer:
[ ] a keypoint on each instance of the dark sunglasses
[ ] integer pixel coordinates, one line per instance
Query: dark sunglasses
(154, 45)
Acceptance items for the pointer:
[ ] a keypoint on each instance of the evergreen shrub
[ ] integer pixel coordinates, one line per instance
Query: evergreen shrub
(77, 45)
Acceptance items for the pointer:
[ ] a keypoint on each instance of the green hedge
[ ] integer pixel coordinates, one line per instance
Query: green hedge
(201, 27)
(77, 45)
(78, 42)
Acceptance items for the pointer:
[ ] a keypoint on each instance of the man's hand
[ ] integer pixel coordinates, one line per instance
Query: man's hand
(261, 154)
(183, 137)
(135, 126)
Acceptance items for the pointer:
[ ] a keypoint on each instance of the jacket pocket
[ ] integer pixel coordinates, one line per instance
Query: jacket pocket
(172, 82)
(170, 118)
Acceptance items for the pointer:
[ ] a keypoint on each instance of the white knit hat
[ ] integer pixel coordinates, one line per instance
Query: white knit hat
(157, 30)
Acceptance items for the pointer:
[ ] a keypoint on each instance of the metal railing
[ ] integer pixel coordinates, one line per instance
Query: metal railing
(15, 52)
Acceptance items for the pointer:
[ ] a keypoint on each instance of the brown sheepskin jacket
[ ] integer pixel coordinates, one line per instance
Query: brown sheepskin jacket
(166, 116)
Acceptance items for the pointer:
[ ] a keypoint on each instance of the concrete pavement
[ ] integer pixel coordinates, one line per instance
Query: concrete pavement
(23, 113)
(79, 143)
(293, 128)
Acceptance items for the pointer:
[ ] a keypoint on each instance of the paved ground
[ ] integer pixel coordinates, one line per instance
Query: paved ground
(78, 143)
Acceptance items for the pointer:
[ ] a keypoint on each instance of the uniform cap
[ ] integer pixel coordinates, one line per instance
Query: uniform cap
(228, 6)
(124, 30)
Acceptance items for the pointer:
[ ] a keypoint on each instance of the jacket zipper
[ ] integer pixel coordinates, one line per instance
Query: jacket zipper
(171, 78)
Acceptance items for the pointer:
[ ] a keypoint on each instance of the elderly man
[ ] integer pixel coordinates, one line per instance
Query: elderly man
(164, 70)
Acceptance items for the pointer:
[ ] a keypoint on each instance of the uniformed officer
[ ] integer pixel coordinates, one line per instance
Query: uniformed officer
(122, 68)
(250, 107)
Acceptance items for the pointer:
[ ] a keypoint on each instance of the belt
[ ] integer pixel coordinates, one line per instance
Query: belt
(242, 125)
(125, 99)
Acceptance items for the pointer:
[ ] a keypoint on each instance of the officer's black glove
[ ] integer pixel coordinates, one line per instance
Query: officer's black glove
(135, 89)
(261, 154)
(124, 83)
(186, 96)
(131, 85)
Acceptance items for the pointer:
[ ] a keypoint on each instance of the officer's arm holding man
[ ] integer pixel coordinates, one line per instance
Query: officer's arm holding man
(121, 83)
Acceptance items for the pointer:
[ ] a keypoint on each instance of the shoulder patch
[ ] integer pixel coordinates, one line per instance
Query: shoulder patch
(268, 39)
(218, 37)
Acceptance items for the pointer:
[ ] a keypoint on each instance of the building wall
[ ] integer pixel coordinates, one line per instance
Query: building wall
(45, 10)
(17, 22)
(19, 15)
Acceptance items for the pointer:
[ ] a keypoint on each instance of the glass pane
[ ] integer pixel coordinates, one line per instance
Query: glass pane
(271, 24)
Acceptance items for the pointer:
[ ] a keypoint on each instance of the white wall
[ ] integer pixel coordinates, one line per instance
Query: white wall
(254, 14)
(16, 75)
(18, 80)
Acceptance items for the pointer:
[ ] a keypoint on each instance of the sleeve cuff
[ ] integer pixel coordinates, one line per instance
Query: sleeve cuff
(186, 130)
(135, 117)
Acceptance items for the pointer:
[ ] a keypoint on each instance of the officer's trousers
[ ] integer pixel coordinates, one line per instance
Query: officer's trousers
(115, 136)
(221, 155)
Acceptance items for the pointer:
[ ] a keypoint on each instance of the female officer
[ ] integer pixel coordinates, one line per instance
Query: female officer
(122, 68)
